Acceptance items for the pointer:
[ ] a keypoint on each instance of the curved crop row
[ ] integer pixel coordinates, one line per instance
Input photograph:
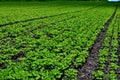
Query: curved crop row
(108, 56)
(46, 53)
(36, 10)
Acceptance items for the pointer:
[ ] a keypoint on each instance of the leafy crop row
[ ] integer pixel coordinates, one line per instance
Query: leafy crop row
(108, 56)
(22, 12)
(47, 53)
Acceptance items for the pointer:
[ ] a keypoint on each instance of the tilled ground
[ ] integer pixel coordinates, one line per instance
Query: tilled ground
(85, 73)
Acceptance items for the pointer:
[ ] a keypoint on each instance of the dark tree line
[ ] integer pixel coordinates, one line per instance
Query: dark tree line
(52, 0)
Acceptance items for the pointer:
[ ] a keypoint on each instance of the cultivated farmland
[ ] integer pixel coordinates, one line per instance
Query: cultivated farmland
(59, 40)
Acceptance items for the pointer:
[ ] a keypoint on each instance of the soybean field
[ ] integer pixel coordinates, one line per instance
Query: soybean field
(60, 40)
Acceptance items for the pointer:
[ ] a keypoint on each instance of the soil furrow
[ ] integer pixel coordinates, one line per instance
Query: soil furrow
(27, 20)
(85, 72)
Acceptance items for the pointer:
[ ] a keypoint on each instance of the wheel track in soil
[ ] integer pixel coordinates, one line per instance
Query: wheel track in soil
(85, 72)
(21, 53)
(27, 20)
(16, 56)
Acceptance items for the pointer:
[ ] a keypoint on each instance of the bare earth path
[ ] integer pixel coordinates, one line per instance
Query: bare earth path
(85, 73)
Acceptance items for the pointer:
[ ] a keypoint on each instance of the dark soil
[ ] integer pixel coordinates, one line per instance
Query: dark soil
(15, 57)
(3, 66)
(85, 72)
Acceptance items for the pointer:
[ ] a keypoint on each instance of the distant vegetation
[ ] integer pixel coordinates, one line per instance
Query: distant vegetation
(53, 0)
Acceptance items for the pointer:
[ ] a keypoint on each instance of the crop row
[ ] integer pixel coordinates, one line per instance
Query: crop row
(33, 35)
(108, 56)
(47, 53)
(18, 13)
(21, 28)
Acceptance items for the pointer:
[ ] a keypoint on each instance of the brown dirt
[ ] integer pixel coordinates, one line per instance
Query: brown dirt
(15, 57)
(85, 73)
